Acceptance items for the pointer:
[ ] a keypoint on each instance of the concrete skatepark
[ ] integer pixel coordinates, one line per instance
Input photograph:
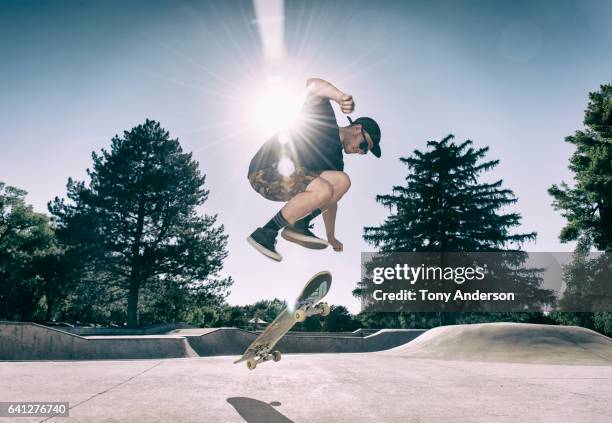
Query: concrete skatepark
(466, 373)
(29, 341)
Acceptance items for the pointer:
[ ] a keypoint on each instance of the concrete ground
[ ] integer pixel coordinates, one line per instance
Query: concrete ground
(364, 387)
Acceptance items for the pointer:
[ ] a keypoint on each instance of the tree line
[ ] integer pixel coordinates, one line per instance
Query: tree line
(132, 245)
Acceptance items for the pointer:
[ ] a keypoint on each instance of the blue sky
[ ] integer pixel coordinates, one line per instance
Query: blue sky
(511, 75)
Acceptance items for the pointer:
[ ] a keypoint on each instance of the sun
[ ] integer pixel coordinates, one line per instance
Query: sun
(275, 105)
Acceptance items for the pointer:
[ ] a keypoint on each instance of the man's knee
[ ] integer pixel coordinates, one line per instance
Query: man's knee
(344, 182)
(322, 190)
(339, 180)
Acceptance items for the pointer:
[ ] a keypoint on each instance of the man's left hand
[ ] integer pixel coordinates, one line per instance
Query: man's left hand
(336, 245)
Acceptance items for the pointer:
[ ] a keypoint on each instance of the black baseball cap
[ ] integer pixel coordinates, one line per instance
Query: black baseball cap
(371, 127)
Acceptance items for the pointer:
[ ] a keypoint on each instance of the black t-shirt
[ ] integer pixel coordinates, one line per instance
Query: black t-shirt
(313, 144)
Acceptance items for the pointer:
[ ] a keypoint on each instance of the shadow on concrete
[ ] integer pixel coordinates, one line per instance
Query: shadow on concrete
(255, 411)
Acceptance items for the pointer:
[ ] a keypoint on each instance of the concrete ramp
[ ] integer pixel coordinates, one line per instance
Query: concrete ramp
(30, 341)
(232, 341)
(221, 341)
(511, 343)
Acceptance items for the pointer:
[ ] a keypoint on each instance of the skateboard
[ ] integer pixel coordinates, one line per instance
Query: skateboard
(306, 305)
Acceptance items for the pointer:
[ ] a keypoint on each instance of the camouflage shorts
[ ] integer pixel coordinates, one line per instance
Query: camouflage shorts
(273, 186)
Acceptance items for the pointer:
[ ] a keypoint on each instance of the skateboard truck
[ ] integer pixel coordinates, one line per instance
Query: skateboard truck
(302, 313)
(251, 363)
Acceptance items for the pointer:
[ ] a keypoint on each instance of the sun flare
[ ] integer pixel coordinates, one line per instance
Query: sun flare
(275, 106)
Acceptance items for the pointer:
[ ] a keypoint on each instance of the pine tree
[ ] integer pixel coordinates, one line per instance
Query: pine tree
(137, 222)
(444, 208)
(588, 206)
(588, 210)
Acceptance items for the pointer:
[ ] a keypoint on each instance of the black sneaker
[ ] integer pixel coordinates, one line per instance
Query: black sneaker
(264, 241)
(300, 233)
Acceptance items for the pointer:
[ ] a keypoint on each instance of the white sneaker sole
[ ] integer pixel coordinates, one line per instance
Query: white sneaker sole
(263, 250)
(303, 240)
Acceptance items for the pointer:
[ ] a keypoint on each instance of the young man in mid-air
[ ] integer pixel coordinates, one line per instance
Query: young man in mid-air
(304, 168)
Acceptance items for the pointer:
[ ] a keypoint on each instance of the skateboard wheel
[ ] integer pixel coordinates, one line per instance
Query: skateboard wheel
(276, 356)
(325, 309)
(251, 364)
(299, 315)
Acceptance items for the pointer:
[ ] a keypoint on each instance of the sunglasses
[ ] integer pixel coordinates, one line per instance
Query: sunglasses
(363, 145)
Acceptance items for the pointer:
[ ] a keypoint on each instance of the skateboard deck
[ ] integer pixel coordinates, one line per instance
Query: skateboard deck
(306, 305)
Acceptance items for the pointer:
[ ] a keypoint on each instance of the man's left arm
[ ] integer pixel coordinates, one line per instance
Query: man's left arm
(329, 218)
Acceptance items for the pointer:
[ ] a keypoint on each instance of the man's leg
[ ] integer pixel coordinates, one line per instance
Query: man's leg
(311, 198)
(318, 193)
(340, 183)
(305, 192)
(299, 230)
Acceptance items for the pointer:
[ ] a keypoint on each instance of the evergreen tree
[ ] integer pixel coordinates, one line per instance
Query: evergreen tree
(138, 222)
(444, 208)
(588, 210)
(588, 205)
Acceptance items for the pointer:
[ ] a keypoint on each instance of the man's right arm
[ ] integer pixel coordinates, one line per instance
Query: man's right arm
(319, 90)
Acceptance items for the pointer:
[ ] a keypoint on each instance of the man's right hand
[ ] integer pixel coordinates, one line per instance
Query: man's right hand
(318, 89)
